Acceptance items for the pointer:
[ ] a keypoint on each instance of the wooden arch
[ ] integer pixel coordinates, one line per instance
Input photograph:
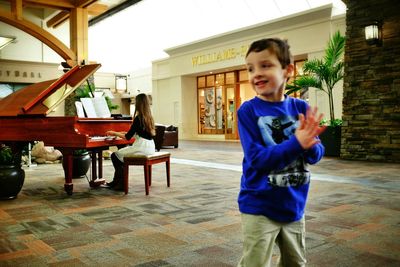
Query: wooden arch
(39, 33)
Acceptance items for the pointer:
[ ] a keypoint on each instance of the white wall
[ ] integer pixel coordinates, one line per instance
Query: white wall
(104, 80)
(140, 82)
(189, 121)
(167, 102)
(27, 72)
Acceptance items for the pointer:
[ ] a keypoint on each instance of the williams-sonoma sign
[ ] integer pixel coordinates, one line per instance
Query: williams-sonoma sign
(226, 54)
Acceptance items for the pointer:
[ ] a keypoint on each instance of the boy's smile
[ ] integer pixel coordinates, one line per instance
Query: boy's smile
(266, 75)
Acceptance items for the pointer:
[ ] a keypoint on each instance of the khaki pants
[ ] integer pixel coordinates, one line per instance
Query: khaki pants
(260, 234)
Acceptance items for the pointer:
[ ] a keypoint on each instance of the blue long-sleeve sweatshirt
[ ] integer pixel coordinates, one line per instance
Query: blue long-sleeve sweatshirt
(275, 179)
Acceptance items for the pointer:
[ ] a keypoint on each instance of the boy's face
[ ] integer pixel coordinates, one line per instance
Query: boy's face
(266, 75)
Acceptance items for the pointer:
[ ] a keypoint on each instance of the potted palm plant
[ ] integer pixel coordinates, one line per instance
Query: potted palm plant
(324, 74)
(12, 176)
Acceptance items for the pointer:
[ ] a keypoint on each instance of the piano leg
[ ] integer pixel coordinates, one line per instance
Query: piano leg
(94, 163)
(68, 162)
(69, 188)
(97, 181)
(100, 157)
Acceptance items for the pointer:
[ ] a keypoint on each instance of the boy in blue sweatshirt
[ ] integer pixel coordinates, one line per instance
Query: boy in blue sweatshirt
(279, 136)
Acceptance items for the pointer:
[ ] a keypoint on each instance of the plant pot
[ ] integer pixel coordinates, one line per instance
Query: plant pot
(12, 178)
(331, 139)
(80, 165)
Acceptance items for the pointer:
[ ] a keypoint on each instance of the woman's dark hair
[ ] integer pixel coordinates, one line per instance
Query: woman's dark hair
(278, 46)
(142, 109)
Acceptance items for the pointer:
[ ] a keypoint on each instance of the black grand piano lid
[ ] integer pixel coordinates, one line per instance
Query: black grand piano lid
(39, 99)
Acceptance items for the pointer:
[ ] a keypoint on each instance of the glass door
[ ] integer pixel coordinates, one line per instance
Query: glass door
(230, 112)
(218, 99)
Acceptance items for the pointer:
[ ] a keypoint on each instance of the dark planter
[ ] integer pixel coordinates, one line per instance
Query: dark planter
(11, 180)
(80, 165)
(331, 138)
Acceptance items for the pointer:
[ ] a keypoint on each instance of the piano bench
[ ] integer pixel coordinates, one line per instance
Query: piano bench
(147, 162)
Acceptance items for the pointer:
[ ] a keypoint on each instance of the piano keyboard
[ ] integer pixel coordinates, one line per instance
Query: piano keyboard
(97, 138)
(104, 138)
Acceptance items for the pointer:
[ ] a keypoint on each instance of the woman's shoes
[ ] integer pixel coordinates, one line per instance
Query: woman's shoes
(111, 184)
(119, 187)
(116, 185)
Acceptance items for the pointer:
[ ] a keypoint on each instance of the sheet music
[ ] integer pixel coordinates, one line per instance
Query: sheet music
(96, 107)
(79, 109)
(101, 107)
(89, 107)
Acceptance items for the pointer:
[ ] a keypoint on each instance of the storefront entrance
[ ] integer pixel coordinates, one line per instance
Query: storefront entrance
(219, 97)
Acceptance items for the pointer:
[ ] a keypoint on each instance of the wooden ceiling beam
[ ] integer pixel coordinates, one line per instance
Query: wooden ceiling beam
(78, 27)
(62, 16)
(58, 19)
(58, 4)
(97, 9)
(16, 8)
(84, 3)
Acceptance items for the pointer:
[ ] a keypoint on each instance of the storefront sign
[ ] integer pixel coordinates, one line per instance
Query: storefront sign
(226, 54)
(19, 74)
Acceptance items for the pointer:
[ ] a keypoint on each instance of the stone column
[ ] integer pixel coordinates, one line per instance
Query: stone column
(371, 93)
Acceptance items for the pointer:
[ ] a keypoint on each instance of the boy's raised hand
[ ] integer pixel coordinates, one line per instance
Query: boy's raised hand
(309, 128)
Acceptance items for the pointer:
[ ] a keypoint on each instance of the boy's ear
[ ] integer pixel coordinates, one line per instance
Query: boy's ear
(289, 70)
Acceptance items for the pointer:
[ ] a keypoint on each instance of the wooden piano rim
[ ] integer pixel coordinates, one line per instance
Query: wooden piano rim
(101, 120)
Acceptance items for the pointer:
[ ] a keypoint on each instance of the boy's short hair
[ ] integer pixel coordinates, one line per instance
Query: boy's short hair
(278, 46)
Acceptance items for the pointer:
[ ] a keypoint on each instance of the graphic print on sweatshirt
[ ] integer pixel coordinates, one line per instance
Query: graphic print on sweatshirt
(275, 130)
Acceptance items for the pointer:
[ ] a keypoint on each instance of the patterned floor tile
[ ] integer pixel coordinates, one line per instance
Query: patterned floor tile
(352, 215)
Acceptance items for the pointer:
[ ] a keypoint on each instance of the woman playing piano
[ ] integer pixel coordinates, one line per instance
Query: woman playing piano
(143, 130)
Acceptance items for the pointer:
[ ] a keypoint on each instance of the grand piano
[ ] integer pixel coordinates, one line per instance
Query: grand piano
(24, 118)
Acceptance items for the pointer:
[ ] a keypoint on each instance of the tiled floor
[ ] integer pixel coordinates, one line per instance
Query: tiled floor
(353, 215)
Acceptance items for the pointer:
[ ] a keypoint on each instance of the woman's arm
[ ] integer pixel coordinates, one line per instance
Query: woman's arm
(127, 135)
(117, 134)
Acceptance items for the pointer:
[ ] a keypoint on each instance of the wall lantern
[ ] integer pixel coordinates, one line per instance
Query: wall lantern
(121, 83)
(373, 34)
